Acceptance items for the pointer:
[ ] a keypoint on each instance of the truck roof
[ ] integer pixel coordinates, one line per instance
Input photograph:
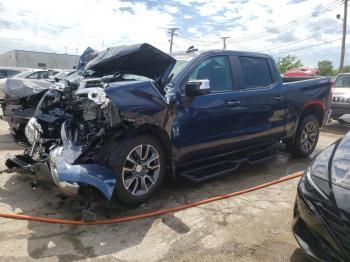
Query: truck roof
(189, 55)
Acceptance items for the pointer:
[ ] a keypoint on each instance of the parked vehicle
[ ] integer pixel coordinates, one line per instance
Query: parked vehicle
(33, 74)
(321, 222)
(8, 72)
(18, 99)
(20, 95)
(341, 96)
(302, 72)
(197, 116)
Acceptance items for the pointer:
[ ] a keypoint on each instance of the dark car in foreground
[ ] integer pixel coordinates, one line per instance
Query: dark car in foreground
(196, 115)
(321, 222)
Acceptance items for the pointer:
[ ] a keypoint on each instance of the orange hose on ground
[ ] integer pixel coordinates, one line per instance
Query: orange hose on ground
(152, 213)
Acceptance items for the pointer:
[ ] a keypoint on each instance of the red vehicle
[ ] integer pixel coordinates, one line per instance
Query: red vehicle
(302, 71)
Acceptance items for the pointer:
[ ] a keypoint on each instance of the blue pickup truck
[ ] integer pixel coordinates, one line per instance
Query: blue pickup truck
(196, 115)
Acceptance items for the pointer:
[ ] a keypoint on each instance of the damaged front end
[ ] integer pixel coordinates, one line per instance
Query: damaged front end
(74, 132)
(67, 129)
(78, 160)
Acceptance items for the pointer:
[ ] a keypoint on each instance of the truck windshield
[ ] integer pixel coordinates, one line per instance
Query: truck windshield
(342, 81)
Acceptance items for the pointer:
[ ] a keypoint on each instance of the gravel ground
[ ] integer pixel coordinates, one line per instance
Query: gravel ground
(250, 227)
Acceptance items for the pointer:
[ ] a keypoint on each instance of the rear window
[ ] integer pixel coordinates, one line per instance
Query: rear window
(256, 72)
(342, 81)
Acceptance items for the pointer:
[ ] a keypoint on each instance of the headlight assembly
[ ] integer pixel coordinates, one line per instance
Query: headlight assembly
(32, 130)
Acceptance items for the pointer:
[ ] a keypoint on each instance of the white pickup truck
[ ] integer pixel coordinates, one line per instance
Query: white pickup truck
(341, 96)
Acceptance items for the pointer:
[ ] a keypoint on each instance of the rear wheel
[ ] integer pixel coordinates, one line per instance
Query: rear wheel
(139, 164)
(306, 137)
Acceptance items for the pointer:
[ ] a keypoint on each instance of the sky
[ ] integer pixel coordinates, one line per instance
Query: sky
(275, 27)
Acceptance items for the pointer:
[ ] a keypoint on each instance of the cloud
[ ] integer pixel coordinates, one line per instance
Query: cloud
(251, 25)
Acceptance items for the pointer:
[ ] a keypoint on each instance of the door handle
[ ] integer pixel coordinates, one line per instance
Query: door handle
(278, 98)
(234, 102)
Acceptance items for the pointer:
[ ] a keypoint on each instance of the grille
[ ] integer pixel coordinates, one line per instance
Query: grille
(340, 99)
(339, 223)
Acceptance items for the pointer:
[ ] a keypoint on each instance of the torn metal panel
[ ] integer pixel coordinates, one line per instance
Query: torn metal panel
(141, 59)
(86, 57)
(92, 174)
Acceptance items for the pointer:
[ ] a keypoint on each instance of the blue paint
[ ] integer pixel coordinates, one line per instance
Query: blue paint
(92, 174)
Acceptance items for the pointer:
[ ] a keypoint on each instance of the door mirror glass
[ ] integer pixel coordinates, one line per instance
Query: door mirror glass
(197, 87)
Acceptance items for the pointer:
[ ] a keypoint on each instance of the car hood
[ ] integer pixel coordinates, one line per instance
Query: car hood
(139, 59)
(344, 91)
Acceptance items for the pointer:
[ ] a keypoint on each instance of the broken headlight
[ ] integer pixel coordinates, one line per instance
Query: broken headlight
(32, 130)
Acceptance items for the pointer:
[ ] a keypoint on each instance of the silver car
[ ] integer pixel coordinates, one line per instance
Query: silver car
(341, 96)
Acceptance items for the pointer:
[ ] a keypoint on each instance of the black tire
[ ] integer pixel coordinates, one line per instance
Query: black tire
(117, 161)
(295, 147)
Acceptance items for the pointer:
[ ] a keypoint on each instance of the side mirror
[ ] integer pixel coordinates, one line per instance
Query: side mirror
(197, 88)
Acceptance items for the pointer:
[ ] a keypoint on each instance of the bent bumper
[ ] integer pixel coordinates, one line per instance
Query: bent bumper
(68, 176)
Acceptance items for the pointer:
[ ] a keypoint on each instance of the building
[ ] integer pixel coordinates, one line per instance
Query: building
(32, 59)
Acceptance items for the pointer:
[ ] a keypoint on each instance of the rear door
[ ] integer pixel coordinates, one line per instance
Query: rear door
(263, 100)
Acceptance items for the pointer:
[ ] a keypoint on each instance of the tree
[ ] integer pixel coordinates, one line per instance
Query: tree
(288, 62)
(325, 67)
(346, 69)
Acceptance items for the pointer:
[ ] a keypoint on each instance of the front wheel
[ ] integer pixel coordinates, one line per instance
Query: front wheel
(139, 164)
(306, 137)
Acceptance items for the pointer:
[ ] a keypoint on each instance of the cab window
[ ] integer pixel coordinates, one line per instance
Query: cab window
(217, 70)
(256, 72)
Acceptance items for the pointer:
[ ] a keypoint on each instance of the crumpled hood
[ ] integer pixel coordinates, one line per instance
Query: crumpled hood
(18, 87)
(140, 59)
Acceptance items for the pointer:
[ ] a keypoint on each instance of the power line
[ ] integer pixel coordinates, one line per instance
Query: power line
(293, 23)
(302, 48)
(292, 42)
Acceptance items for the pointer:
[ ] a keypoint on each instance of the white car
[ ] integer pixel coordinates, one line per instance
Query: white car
(341, 96)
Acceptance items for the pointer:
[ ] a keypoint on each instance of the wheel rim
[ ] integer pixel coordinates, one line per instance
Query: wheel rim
(141, 169)
(309, 137)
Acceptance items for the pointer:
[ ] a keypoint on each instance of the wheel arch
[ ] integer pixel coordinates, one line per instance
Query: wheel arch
(160, 134)
(316, 109)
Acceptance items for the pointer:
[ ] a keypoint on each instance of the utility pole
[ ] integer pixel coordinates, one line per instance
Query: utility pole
(224, 41)
(341, 67)
(172, 33)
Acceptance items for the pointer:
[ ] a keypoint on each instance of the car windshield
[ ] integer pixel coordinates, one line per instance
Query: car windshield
(23, 74)
(180, 64)
(342, 81)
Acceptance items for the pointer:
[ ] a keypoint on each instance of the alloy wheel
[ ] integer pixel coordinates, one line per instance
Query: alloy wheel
(141, 169)
(309, 137)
